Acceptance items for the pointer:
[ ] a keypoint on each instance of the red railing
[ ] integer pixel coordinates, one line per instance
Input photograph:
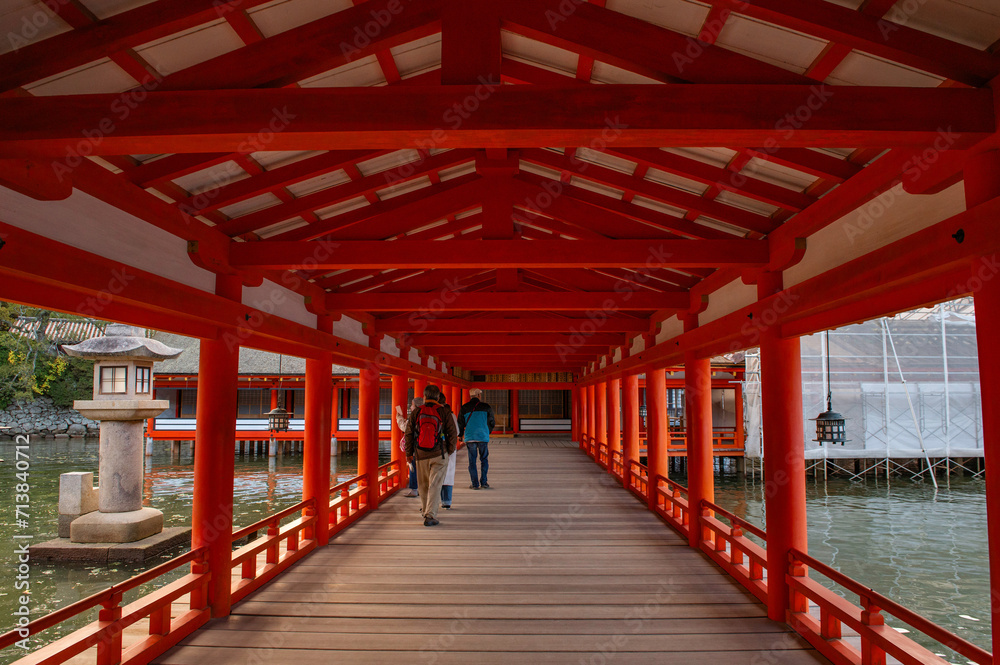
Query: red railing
(672, 504)
(298, 535)
(389, 477)
(866, 619)
(113, 619)
(617, 467)
(726, 539)
(638, 479)
(603, 455)
(729, 547)
(348, 502)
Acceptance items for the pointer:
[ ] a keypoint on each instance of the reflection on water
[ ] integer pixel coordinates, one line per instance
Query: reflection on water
(262, 487)
(926, 550)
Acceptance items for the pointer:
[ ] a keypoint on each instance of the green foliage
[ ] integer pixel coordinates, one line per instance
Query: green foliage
(30, 366)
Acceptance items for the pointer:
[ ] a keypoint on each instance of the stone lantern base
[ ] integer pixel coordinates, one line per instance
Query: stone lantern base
(98, 527)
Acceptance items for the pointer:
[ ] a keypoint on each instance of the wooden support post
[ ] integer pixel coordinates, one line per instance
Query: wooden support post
(335, 411)
(368, 399)
(601, 406)
(419, 384)
(630, 416)
(316, 451)
(575, 412)
(658, 437)
(591, 413)
(614, 432)
(214, 456)
(515, 411)
(400, 398)
(698, 407)
(982, 183)
(784, 452)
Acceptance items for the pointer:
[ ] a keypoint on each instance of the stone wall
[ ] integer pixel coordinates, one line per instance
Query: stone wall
(41, 417)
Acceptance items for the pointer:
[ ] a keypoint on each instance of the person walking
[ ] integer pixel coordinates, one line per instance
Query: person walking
(431, 438)
(448, 488)
(475, 424)
(401, 420)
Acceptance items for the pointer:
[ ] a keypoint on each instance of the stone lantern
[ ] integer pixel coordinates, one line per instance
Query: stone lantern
(123, 401)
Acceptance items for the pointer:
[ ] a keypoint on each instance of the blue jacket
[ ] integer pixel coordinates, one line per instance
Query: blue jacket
(476, 421)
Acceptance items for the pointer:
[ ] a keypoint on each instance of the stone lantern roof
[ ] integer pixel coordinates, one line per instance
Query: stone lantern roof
(122, 341)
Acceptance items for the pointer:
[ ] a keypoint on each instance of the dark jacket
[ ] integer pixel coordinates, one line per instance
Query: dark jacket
(450, 433)
(475, 405)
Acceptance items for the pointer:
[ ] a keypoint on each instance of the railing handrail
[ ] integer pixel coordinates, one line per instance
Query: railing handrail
(906, 615)
(344, 485)
(736, 521)
(277, 517)
(49, 620)
(670, 483)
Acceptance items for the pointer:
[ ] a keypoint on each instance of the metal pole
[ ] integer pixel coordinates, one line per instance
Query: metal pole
(913, 413)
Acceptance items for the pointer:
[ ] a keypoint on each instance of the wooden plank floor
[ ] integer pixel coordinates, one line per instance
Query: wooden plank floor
(556, 564)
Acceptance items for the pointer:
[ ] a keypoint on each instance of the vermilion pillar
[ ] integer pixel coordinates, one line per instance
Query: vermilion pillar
(400, 395)
(581, 428)
(601, 411)
(591, 413)
(698, 409)
(614, 415)
(419, 383)
(274, 398)
(657, 429)
(316, 454)
(515, 411)
(630, 417)
(368, 398)
(574, 411)
(335, 410)
(982, 183)
(784, 452)
(214, 454)
(465, 397)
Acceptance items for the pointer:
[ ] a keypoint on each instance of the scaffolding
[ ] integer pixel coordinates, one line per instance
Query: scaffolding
(908, 387)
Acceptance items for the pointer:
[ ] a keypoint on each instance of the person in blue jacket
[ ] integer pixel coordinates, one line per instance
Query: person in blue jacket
(475, 424)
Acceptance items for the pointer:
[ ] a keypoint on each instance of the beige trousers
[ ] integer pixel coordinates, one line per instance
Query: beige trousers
(430, 477)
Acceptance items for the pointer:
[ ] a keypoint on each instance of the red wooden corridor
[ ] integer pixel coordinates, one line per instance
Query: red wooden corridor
(463, 192)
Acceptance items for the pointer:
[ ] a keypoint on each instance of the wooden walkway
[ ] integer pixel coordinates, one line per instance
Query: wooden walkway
(556, 564)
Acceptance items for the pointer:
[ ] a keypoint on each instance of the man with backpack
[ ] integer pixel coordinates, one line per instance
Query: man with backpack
(475, 424)
(431, 437)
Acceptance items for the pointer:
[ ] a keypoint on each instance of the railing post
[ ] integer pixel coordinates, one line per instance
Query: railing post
(215, 452)
(109, 649)
(316, 456)
(784, 451)
(871, 615)
(982, 184)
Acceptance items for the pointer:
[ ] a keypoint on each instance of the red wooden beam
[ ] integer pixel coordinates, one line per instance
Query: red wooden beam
(692, 169)
(493, 324)
(313, 48)
(272, 180)
(505, 301)
(369, 185)
(499, 254)
(636, 45)
(875, 35)
(399, 214)
(88, 43)
(395, 117)
(511, 340)
(662, 193)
